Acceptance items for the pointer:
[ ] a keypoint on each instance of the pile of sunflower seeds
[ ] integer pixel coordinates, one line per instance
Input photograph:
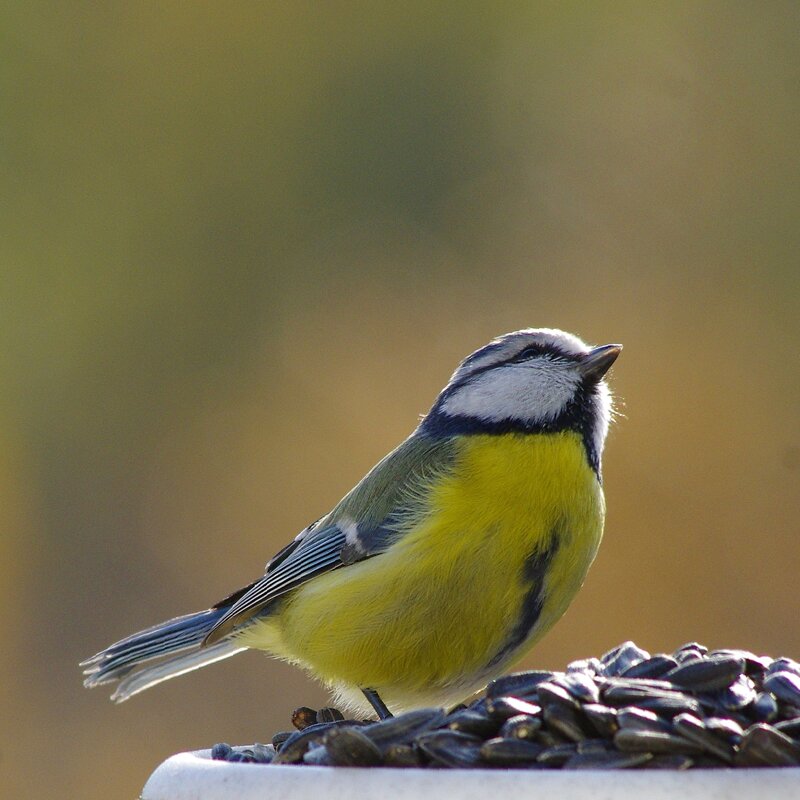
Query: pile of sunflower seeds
(628, 709)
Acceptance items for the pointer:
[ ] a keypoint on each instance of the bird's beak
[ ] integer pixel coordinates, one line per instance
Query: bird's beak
(598, 361)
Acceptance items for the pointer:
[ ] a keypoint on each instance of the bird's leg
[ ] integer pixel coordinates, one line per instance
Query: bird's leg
(375, 701)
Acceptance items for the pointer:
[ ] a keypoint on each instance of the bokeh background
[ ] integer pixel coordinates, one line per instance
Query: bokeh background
(244, 245)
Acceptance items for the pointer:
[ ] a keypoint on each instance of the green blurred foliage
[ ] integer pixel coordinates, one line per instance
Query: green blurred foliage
(242, 248)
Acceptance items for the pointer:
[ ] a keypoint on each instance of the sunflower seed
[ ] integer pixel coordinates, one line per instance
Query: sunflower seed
(690, 727)
(402, 755)
(589, 666)
(754, 665)
(580, 686)
(638, 719)
(594, 746)
(784, 665)
(727, 729)
(684, 656)
(319, 757)
(764, 746)
(633, 741)
(602, 718)
(349, 747)
(518, 684)
(557, 755)
(509, 752)
(633, 693)
(670, 706)
(554, 694)
(450, 748)
(221, 751)
(621, 658)
(785, 686)
(564, 720)
(294, 748)
(690, 650)
(468, 721)
(503, 708)
(740, 694)
(523, 726)
(707, 674)
(548, 738)
(263, 753)
(403, 728)
(791, 727)
(479, 705)
(653, 667)
(329, 715)
(640, 686)
(279, 738)
(764, 708)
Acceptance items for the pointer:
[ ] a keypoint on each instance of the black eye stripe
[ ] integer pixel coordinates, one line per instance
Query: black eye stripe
(468, 371)
(531, 351)
(538, 351)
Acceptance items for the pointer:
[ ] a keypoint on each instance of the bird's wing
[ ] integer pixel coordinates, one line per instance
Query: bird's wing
(377, 512)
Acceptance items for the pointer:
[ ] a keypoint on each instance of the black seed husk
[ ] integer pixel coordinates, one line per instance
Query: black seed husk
(404, 728)
(785, 686)
(329, 715)
(509, 752)
(627, 710)
(518, 684)
(707, 674)
(654, 667)
(523, 726)
(503, 708)
(221, 751)
(557, 755)
(349, 747)
(450, 748)
(765, 746)
(468, 721)
(693, 729)
(402, 755)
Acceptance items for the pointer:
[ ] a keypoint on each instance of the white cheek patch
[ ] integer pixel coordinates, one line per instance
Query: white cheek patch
(537, 391)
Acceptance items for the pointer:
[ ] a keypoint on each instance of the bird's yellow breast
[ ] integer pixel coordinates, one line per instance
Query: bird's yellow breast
(505, 542)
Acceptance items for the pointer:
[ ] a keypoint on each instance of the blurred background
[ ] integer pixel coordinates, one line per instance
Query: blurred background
(243, 247)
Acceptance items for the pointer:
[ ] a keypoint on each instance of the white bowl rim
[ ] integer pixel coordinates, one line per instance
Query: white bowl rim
(193, 775)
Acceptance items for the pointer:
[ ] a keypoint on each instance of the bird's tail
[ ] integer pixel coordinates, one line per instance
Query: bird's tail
(175, 647)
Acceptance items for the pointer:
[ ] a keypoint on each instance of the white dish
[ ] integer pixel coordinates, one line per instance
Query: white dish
(195, 776)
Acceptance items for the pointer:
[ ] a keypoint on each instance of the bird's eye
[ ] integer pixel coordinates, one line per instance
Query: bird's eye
(531, 351)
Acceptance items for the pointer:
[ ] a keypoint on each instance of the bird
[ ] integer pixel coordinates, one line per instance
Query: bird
(445, 563)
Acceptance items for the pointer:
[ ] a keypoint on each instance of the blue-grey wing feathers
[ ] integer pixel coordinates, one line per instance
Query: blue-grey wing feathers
(316, 552)
(175, 645)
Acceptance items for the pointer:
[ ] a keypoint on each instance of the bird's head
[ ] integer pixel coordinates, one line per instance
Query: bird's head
(533, 380)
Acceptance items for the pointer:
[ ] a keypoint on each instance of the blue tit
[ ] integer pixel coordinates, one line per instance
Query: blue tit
(445, 563)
